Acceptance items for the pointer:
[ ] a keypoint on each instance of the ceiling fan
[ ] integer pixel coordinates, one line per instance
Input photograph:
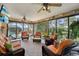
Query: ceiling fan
(45, 6)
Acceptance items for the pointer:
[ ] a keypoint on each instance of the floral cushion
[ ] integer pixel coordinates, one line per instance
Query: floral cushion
(2, 48)
(3, 41)
(38, 34)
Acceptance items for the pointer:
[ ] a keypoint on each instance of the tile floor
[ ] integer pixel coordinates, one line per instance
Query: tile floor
(32, 48)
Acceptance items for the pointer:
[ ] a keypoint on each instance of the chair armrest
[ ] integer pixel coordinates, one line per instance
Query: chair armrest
(47, 52)
(19, 52)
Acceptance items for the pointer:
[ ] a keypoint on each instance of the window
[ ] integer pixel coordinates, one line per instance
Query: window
(74, 27)
(19, 30)
(15, 29)
(62, 28)
(26, 27)
(52, 26)
(30, 29)
(43, 28)
(12, 29)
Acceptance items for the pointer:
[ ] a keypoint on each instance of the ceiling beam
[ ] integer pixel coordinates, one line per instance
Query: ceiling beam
(65, 14)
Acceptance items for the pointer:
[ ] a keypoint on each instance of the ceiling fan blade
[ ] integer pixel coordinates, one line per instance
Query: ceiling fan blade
(55, 4)
(40, 9)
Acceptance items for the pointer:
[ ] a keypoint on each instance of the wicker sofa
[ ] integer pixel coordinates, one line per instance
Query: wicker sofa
(6, 47)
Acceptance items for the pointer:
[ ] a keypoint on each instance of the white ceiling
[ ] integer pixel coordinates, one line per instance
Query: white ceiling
(18, 10)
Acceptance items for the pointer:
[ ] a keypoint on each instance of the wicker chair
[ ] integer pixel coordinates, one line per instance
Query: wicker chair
(37, 37)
